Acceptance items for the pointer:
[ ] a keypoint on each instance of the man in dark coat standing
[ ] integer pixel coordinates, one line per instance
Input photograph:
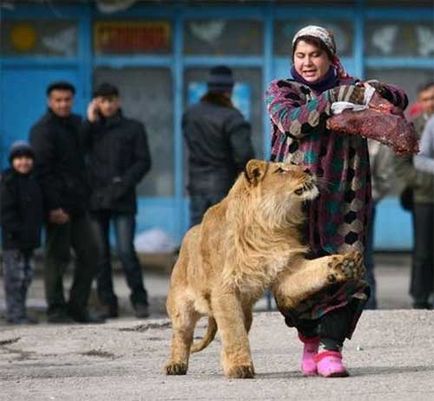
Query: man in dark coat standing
(60, 169)
(119, 158)
(219, 143)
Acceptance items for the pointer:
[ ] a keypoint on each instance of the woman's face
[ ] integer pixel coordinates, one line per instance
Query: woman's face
(311, 62)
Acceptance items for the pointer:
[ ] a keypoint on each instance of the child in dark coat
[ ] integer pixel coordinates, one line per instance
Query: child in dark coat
(21, 220)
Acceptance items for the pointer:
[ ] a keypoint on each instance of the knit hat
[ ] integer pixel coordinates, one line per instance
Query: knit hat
(20, 148)
(220, 79)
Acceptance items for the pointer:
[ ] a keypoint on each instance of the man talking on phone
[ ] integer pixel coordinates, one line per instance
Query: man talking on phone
(119, 157)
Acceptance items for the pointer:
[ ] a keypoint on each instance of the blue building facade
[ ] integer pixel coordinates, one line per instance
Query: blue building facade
(158, 53)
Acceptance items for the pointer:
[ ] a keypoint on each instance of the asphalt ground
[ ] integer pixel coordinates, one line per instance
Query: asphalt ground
(391, 355)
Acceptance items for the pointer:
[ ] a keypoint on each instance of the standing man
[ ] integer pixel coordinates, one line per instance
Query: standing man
(60, 169)
(119, 158)
(422, 184)
(219, 143)
(381, 163)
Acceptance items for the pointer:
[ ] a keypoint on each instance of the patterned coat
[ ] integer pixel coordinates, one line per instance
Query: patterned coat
(338, 218)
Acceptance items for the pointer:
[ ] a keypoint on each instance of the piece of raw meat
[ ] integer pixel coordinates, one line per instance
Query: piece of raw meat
(381, 121)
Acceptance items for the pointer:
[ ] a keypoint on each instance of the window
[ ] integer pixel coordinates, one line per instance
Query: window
(218, 37)
(394, 39)
(39, 38)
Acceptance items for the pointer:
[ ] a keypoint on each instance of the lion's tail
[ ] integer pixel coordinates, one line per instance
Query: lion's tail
(208, 337)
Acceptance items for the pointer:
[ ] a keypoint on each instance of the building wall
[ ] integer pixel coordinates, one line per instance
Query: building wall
(159, 56)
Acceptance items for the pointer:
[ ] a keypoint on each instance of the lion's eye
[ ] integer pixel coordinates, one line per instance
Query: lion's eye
(280, 170)
(298, 191)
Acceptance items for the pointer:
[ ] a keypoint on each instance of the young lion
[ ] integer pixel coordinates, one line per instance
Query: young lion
(242, 245)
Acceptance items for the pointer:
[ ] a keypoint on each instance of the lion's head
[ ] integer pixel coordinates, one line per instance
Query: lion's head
(278, 189)
(275, 191)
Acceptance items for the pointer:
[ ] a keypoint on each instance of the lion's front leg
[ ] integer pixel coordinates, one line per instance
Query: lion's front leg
(306, 277)
(236, 357)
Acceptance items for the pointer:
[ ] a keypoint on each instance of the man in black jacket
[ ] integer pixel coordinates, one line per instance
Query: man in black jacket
(219, 143)
(60, 169)
(119, 158)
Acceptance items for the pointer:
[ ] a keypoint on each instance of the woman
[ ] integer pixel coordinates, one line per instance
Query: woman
(337, 220)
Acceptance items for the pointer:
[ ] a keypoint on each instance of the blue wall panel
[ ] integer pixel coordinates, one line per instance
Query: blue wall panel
(393, 226)
(23, 99)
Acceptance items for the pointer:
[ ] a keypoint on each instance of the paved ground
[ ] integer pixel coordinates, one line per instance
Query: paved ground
(390, 356)
(392, 272)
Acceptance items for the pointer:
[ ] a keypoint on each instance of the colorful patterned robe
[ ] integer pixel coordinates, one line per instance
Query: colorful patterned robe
(337, 220)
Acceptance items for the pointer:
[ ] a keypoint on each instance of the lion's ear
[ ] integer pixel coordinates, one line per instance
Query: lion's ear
(255, 171)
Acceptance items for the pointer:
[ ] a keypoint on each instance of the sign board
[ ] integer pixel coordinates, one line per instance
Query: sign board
(129, 37)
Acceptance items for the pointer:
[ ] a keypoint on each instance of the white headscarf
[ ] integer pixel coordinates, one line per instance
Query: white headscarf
(327, 38)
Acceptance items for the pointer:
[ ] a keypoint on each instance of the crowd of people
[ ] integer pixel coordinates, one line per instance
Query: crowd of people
(80, 177)
(76, 177)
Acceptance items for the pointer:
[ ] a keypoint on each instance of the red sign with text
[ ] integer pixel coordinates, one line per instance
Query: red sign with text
(131, 37)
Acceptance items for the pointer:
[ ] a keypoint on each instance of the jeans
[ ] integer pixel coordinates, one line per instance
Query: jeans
(18, 274)
(124, 228)
(76, 234)
(421, 284)
(369, 262)
(199, 204)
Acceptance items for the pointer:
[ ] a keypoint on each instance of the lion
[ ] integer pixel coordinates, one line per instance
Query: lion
(226, 263)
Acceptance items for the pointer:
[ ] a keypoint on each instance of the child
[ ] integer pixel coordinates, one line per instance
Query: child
(21, 219)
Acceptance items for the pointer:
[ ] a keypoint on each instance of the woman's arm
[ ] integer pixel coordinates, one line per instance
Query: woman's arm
(291, 113)
(392, 93)
(424, 160)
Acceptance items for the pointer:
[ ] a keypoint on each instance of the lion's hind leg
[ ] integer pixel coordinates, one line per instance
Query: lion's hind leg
(184, 318)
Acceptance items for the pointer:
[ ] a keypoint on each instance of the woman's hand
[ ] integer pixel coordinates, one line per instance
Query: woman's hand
(348, 93)
(380, 88)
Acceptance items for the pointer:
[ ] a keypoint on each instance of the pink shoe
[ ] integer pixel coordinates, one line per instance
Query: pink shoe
(329, 364)
(310, 350)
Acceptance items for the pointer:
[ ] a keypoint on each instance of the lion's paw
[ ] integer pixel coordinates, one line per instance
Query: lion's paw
(241, 372)
(176, 369)
(346, 267)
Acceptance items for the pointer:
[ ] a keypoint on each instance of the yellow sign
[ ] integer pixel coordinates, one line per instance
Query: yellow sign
(23, 37)
(114, 37)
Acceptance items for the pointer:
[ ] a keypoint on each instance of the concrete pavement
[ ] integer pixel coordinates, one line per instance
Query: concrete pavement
(391, 356)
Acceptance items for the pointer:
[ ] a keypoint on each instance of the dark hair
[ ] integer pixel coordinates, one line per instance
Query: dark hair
(60, 85)
(312, 40)
(106, 90)
(425, 86)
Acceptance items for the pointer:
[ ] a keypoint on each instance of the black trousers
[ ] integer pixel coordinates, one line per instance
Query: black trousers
(422, 277)
(77, 235)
